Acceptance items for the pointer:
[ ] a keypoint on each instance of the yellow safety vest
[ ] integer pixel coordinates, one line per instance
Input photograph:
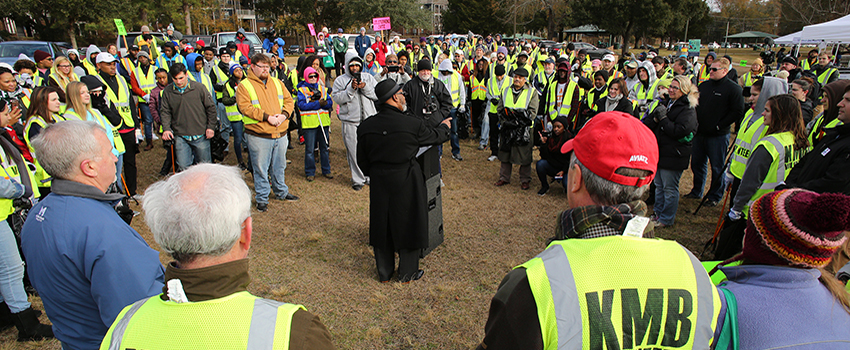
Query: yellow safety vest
(221, 78)
(246, 83)
(815, 134)
(147, 82)
(566, 100)
(784, 157)
(40, 174)
(90, 68)
(232, 111)
(750, 79)
(206, 81)
(55, 76)
(236, 321)
(453, 85)
(121, 101)
(12, 172)
(311, 119)
(523, 100)
(704, 74)
(593, 95)
(162, 62)
(824, 77)
(611, 77)
(479, 89)
(496, 87)
(644, 94)
(751, 131)
(665, 301)
(806, 65)
(117, 143)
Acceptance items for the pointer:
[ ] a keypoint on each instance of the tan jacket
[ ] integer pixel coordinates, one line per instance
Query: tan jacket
(267, 96)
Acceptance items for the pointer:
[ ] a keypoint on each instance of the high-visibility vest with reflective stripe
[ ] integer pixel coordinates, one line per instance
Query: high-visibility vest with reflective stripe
(236, 321)
(668, 74)
(665, 301)
(40, 174)
(55, 76)
(206, 81)
(162, 62)
(10, 171)
(750, 79)
(120, 100)
(806, 65)
(527, 67)
(784, 157)
(646, 94)
(815, 134)
(566, 100)
(129, 66)
(611, 77)
(117, 143)
(246, 83)
(90, 68)
(453, 84)
(824, 77)
(310, 119)
(479, 89)
(652, 106)
(147, 82)
(751, 131)
(496, 87)
(221, 78)
(25, 98)
(232, 111)
(594, 95)
(704, 74)
(522, 101)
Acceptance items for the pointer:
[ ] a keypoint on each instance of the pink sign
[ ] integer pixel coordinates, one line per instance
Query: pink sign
(312, 29)
(381, 23)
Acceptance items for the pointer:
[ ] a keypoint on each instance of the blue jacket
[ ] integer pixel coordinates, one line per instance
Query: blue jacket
(361, 43)
(784, 306)
(304, 104)
(86, 263)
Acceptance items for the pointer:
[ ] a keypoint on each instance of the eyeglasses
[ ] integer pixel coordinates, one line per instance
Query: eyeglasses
(674, 88)
(392, 62)
(714, 69)
(262, 67)
(313, 76)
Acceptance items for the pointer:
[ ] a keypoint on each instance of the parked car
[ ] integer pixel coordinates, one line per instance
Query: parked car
(131, 38)
(294, 49)
(10, 50)
(221, 39)
(593, 51)
(309, 49)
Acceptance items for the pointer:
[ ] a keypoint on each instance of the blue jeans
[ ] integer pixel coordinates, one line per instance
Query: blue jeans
(312, 137)
(238, 138)
(11, 271)
(147, 120)
(268, 159)
(667, 195)
(191, 152)
(119, 166)
(453, 137)
(225, 126)
(545, 169)
(709, 149)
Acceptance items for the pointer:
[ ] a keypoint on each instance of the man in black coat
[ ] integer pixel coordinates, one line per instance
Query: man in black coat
(387, 144)
(428, 99)
(721, 103)
(825, 168)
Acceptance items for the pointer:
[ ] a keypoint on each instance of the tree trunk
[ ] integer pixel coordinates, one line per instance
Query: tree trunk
(188, 18)
(626, 36)
(72, 34)
(143, 16)
(551, 28)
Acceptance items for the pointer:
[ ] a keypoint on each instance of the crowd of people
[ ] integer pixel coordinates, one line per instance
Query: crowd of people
(616, 134)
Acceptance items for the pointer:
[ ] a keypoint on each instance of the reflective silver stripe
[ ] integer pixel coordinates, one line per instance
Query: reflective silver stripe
(121, 326)
(705, 305)
(780, 149)
(564, 296)
(234, 113)
(263, 319)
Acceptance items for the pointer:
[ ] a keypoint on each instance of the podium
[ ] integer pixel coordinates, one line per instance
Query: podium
(429, 163)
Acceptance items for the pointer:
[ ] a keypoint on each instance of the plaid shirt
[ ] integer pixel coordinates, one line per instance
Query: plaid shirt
(599, 221)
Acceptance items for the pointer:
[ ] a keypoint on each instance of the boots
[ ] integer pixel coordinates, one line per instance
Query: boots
(6, 320)
(29, 328)
(149, 145)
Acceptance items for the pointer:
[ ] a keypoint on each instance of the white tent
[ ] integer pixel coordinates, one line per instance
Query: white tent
(793, 39)
(837, 30)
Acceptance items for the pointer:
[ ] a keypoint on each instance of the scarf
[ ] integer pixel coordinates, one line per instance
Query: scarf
(612, 102)
(599, 221)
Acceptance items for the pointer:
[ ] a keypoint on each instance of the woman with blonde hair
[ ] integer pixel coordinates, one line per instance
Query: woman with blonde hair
(80, 108)
(61, 75)
(674, 131)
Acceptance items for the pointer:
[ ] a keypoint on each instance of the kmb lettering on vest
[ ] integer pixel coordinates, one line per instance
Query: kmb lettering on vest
(792, 156)
(641, 328)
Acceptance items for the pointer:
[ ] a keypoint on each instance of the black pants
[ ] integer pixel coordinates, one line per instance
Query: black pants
(131, 149)
(408, 263)
(339, 59)
(476, 108)
(168, 164)
(731, 239)
(494, 133)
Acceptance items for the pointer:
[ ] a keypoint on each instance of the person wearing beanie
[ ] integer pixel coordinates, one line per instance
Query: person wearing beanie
(496, 85)
(362, 43)
(454, 82)
(354, 92)
(43, 64)
(780, 297)
(145, 74)
(315, 105)
(428, 99)
(603, 266)
(387, 144)
(516, 110)
(789, 64)
(162, 80)
(478, 107)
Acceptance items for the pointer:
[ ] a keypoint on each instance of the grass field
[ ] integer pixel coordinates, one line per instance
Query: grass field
(315, 251)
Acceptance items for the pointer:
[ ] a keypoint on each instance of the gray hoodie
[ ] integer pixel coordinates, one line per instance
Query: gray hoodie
(355, 105)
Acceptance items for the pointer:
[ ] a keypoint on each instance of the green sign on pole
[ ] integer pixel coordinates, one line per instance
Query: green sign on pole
(693, 46)
(120, 24)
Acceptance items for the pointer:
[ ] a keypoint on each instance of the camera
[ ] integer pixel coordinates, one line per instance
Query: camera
(316, 95)
(356, 79)
(546, 133)
(430, 106)
(393, 69)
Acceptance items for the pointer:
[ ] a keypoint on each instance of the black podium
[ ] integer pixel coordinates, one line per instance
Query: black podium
(429, 162)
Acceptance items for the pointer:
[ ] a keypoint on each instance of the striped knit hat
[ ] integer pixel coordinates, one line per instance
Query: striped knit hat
(796, 227)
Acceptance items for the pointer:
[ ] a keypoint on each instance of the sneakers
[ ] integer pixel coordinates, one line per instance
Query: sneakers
(542, 191)
(692, 196)
(481, 147)
(328, 176)
(262, 207)
(457, 157)
(357, 187)
(492, 158)
(310, 178)
(711, 203)
(290, 197)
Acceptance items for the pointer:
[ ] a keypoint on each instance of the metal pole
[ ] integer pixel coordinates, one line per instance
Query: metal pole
(687, 24)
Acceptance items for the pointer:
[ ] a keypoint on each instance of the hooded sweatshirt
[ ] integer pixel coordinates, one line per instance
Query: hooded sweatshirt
(355, 105)
(372, 67)
(190, 66)
(87, 62)
(647, 85)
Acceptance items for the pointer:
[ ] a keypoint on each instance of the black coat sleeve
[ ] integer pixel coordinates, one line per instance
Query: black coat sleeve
(444, 98)
(512, 323)
(834, 179)
(430, 136)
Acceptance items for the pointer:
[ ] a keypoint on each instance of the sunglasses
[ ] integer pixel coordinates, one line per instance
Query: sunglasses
(311, 76)
(714, 69)
(390, 62)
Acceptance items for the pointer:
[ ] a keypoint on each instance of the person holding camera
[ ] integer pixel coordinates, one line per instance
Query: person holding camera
(516, 111)
(355, 93)
(395, 70)
(315, 105)
(428, 99)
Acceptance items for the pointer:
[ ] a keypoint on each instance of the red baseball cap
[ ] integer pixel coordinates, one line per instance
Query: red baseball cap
(614, 140)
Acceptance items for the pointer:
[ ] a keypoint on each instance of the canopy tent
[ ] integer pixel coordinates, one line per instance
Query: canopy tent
(586, 29)
(794, 38)
(834, 31)
(751, 35)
